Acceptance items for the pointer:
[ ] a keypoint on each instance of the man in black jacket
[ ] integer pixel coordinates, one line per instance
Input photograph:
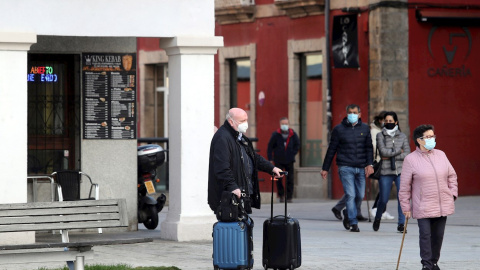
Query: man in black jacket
(233, 163)
(282, 148)
(352, 142)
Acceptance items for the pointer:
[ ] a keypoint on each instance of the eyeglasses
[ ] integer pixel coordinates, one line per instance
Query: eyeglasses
(428, 137)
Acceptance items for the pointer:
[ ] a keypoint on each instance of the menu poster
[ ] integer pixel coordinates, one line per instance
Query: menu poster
(109, 95)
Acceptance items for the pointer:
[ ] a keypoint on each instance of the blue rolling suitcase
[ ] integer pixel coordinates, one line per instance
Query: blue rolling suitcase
(233, 245)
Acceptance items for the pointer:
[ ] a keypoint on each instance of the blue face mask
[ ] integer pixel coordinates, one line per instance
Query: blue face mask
(430, 143)
(284, 127)
(352, 118)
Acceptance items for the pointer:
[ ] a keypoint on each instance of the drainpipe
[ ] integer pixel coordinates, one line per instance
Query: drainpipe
(329, 83)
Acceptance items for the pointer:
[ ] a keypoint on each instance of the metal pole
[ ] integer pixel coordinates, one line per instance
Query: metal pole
(328, 101)
(79, 263)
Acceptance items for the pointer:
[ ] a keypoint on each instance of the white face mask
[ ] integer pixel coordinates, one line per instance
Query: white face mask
(242, 128)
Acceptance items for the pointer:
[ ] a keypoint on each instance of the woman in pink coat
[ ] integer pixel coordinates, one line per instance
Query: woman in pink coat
(429, 182)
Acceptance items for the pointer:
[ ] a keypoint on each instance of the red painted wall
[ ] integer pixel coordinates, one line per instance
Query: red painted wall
(148, 44)
(446, 94)
(263, 2)
(350, 85)
(446, 3)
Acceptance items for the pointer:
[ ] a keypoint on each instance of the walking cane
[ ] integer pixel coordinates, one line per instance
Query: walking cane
(401, 246)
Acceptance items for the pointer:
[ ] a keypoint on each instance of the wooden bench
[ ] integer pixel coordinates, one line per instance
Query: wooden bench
(64, 216)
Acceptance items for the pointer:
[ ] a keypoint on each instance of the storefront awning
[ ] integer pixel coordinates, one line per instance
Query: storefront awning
(449, 17)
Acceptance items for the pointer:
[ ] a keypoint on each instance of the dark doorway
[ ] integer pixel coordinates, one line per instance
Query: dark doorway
(53, 112)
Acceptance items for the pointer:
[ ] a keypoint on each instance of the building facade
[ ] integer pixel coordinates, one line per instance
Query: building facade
(308, 59)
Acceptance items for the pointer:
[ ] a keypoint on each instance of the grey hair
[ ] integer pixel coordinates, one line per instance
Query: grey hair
(352, 106)
(228, 116)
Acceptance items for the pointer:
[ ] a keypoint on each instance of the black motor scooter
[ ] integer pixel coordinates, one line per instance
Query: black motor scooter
(150, 157)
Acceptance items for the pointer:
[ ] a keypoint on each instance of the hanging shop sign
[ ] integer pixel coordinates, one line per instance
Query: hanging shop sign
(345, 41)
(109, 95)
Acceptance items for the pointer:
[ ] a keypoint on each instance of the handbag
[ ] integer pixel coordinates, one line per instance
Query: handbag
(230, 208)
(377, 166)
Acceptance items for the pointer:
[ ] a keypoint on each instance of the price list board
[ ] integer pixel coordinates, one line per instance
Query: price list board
(109, 95)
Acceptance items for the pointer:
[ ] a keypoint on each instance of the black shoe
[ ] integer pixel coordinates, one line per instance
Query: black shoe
(435, 267)
(355, 228)
(282, 199)
(289, 201)
(425, 268)
(362, 218)
(400, 229)
(376, 224)
(337, 213)
(346, 223)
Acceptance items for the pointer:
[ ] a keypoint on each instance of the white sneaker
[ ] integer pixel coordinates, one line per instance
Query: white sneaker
(373, 212)
(386, 215)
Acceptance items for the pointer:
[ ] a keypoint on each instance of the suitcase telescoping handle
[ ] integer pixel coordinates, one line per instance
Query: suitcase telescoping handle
(271, 203)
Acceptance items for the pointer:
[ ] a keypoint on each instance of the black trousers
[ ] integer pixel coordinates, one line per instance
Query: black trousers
(431, 239)
(280, 190)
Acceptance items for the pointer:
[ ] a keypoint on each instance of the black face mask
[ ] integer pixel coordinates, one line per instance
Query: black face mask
(390, 125)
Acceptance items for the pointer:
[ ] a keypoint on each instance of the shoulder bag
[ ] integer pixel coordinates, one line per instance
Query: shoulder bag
(377, 166)
(230, 208)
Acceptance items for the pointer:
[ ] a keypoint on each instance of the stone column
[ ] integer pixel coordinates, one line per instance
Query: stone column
(13, 124)
(191, 111)
(389, 63)
(13, 115)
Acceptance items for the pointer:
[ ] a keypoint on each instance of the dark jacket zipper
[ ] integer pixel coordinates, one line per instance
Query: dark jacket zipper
(245, 184)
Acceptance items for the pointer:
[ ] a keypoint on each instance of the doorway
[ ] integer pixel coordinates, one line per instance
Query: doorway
(53, 112)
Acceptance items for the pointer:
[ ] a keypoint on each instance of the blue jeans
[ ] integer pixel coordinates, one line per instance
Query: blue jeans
(353, 181)
(385, 186)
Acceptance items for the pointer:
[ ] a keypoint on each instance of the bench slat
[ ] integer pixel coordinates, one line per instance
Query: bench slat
(82, 244)
(43, 256)
(58, 211)
(66, 218)
(64, 204)
(61, 226)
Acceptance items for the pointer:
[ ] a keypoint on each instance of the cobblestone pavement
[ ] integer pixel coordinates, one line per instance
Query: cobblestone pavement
(325, 243)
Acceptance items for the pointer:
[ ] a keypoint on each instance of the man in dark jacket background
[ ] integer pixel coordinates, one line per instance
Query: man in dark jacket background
(233, 163)
(282, 148)
(352, 142)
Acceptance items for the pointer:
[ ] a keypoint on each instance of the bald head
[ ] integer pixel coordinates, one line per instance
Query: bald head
(236, 117)
(237, 113)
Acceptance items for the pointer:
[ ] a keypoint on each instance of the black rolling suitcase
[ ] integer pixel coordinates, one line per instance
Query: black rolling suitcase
(281, 241)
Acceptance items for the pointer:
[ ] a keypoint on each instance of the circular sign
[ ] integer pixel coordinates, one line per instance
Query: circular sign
(261, 98)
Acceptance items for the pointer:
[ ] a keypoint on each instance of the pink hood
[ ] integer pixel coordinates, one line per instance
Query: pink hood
(429, 181)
